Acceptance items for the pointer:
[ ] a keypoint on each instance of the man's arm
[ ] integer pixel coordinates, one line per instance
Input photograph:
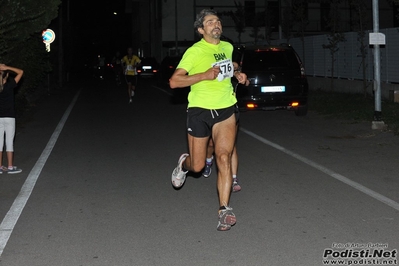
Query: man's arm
(137, 61)
(179, 78)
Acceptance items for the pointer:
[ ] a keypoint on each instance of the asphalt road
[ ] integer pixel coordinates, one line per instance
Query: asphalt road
(95, 188)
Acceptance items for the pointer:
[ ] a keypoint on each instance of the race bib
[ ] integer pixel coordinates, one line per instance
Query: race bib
(129, 67)
(226, 69)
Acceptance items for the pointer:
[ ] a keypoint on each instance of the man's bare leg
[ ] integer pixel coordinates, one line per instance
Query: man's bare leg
(197, 149)
(224, 135)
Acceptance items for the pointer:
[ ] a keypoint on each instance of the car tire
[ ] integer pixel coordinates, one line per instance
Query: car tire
(301, 111)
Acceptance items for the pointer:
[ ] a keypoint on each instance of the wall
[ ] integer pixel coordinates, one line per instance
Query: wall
(347, 65)
(389, 91)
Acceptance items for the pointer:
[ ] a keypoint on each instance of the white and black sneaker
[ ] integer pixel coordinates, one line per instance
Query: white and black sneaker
(178, 175)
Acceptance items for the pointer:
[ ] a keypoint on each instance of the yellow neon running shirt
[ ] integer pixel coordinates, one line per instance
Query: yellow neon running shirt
(130, 68)
(209, 94)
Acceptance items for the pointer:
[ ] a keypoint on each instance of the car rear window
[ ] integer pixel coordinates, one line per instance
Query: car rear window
(267, 60)
(149, 61)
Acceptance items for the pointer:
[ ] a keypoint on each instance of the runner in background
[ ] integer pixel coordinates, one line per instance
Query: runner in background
(130, 63)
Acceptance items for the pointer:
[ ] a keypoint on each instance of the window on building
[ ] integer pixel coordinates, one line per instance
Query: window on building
(395, 10)
(273, 9)
(249, 9)
(325, 9)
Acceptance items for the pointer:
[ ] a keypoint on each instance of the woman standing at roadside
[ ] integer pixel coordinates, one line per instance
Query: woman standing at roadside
(7, 115)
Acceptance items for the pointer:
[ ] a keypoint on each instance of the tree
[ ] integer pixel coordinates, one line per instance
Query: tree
(238, 17)
(335, 36)
(259, 20)
(257, 23)
(21, 24)
(20, 19)
(287, 21)
(300, 20)
(268, 18)
(360, 19)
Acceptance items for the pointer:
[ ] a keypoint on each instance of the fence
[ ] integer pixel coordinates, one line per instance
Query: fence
(347, 65)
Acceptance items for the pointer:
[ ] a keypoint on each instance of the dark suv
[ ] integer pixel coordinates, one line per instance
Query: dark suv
(277, 79)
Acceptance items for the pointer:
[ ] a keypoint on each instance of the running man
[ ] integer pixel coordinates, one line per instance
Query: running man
(130, 63)
(211, 108)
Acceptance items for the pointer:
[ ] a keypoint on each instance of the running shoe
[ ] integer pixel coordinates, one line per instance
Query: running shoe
(208, 169)
(226, 219)
(178, 175)
(3, 169)
(13, 170)
(235, 187)
(130, 100)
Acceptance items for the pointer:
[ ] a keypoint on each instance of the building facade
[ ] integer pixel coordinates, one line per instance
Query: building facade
(146, 34)
(165, 27)
(266, 20)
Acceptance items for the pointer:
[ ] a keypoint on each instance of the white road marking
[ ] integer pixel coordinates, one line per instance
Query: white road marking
(12, 216)
(327, 171)
(163, 90)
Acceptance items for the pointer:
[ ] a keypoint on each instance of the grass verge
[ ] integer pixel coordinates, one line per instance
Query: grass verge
(354, 108)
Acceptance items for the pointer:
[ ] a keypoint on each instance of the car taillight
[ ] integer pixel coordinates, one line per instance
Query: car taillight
(294, 104)
(251, 105)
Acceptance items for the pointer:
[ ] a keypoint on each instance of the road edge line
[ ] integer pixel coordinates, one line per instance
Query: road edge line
(327, 171)
(13, 214)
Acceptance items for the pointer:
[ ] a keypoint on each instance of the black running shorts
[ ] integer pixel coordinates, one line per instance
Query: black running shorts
(200, 121)
(131, 79)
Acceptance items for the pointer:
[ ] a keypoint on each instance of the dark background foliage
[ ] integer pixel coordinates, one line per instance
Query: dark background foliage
(21, 43)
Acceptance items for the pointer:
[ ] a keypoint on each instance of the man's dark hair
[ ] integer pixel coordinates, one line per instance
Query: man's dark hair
(199, 21)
